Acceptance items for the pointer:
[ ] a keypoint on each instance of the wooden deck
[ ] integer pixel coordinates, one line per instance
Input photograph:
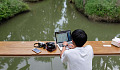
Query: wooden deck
(24, 48)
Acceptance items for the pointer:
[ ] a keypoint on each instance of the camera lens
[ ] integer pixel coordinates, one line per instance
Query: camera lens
(50, 46)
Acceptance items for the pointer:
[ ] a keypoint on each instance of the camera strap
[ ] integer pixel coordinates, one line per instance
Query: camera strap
(35, 44)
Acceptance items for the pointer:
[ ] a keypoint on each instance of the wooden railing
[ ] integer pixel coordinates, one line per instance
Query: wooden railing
(24, 48)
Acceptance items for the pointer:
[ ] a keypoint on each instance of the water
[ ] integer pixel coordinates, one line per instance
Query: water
(30, 63)
(41, 22)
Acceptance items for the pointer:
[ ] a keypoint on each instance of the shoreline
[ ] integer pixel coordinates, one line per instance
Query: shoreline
(9, 9)
(3, 19)
(10, 17)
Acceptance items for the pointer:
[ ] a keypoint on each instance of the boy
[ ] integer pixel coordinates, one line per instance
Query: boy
(78, 57)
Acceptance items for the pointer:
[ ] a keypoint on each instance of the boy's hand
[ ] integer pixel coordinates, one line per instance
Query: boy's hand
(71, 46)
(65, 43)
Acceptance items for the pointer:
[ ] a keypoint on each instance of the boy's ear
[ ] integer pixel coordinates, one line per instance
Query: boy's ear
(73, 42)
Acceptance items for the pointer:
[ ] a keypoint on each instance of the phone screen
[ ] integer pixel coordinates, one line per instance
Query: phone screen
(36, 50)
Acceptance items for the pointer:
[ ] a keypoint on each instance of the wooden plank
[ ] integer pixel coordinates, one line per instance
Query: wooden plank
(24, 48)
(19, 48)
(99, 49)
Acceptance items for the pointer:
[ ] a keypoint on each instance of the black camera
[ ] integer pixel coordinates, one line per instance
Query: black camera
(40, 44)
(50, 46)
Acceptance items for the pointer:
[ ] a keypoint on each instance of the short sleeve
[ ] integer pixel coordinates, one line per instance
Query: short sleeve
(92, 53)
(64, 57)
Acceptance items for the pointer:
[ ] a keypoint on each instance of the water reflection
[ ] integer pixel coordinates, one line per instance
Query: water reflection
(20, 63)
(54, 63)
(106, 63)
(96, 39)
(25, 65)
(59, 24)
(7, 63)
(8, 37)
(118, 35)
(30, 63)
(44, 59)
(23, 38)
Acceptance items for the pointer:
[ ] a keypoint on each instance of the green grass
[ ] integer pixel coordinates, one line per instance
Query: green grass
(9, 8)
(106, 10)
(32, 0)
(79, 5)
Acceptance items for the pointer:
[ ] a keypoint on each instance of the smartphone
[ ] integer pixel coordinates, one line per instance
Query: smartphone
(36, 50)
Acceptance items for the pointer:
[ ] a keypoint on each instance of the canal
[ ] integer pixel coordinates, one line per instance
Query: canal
(41, 22)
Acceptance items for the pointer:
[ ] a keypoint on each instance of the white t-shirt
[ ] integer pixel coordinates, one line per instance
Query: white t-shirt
(79, 58)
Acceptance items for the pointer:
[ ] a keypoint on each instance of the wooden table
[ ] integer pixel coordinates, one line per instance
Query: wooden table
(24, 48)
(99, 49)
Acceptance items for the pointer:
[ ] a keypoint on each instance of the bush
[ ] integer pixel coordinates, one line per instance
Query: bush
(79, 5)
(102, 9)
(32, 0)
(9, 8)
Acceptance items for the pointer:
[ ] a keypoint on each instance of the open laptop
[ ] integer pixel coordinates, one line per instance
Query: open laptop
(61, 37)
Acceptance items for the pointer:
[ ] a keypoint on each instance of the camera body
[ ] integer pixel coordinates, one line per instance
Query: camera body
(50, 46)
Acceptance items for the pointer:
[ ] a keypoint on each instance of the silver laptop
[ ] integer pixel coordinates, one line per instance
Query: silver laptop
(61, 37)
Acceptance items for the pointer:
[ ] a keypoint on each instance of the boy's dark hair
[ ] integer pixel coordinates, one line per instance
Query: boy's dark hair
(79, 37)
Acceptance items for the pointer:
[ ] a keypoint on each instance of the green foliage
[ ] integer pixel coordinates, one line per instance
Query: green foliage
(31, 0)
(79, 4)
(9, 8)
(100, 8)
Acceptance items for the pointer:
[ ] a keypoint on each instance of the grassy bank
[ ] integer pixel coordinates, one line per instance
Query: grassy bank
(100, 10)
(31, 0)
(9, 8)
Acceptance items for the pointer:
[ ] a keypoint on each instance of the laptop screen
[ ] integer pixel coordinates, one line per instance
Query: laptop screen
(63, 36)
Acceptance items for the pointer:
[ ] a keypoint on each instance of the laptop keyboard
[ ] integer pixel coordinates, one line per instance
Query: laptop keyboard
(70, 42)
(61, 44)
